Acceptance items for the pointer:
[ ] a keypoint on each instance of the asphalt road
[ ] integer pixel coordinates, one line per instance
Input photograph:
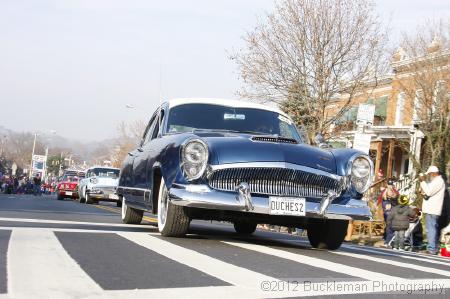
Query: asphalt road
(63, 249)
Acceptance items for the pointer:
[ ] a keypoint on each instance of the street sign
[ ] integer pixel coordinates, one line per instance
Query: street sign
(38, 165)
(362, 142)
(365, 114)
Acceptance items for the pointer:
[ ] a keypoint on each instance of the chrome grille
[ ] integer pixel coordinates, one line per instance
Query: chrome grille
(276, 139)
(274, 181)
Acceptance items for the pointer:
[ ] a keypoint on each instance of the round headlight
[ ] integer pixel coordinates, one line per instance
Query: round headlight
(361, 174)
(194, 156)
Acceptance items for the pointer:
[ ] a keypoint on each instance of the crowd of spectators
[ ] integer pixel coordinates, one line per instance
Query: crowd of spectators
(404, 219)
(12, 184)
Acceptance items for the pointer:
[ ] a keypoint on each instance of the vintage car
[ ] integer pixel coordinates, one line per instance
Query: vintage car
(67, 186)
(100, 184)
(244, 163)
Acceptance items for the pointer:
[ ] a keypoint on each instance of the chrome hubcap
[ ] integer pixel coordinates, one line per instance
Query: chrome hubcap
(163, 207)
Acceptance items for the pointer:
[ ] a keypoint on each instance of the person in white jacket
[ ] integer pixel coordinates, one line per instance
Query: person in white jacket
(434, 192)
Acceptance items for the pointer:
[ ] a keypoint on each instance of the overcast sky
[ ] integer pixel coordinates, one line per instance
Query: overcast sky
(72, 66)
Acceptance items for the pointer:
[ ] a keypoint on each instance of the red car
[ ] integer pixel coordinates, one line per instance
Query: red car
(68, 185)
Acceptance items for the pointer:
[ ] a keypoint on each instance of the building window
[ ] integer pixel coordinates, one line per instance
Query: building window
(380, 110)
(418, 102)
(399, 109)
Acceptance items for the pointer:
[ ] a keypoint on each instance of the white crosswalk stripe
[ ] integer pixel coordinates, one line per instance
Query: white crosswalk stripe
(387, 252)
(38, 266)
(316, 262)
(419, 258)
(394, 263)
(235, 275)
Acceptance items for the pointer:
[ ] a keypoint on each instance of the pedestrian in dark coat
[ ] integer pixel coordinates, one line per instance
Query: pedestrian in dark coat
(387, 200)
(398, 219)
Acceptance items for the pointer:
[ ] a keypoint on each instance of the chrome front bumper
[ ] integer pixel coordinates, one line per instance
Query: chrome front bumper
(202, 196)
(105, 192)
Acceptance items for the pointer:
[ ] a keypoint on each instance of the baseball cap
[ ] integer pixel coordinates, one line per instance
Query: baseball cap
(431, 169)
(403, 200)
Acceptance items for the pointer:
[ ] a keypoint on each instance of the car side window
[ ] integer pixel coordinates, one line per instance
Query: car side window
(158, 122)
(149, 130)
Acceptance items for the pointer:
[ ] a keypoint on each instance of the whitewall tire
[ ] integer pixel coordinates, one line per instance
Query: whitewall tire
(173, 220)
(130, 215)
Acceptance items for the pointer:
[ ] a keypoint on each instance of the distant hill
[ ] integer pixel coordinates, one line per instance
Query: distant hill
(91, 152)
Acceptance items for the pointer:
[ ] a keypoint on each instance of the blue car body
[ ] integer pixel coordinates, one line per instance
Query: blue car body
(272, 165)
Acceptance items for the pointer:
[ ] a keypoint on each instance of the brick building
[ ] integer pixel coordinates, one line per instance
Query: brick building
(396, 132)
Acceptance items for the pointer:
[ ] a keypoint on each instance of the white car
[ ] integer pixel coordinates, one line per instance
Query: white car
(100, 184)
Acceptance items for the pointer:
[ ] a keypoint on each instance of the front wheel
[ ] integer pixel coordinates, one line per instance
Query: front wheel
(59, 197)
(244, 228)
(82, 196)
(130, 215)
(326, 233)
(172, 220)
(88, 200)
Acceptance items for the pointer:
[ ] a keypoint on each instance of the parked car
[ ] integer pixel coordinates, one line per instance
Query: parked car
(100, 184)
(244, 163)
(67, 186)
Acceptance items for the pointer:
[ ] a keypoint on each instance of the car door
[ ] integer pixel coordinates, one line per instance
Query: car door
(155, 146)
(140, 157)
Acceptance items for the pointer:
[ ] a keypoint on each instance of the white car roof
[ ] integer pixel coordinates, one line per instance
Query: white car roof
(224, 102)
(105, 167)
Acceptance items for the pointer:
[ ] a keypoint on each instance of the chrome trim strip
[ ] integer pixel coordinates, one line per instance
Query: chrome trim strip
(133, 188)
(275, 165)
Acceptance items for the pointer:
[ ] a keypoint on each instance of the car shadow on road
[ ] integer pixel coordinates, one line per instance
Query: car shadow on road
(265, 238)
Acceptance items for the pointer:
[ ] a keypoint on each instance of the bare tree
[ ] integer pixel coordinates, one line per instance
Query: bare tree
(129, 137)
(423, 63)
(19, 146)
(306, 53)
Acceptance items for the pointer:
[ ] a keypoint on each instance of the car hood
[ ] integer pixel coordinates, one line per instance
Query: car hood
(235, 148)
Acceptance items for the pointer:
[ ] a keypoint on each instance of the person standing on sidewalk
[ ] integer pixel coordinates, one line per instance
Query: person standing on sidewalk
(37, 184)
(387, 200)
(398, 219)
(434, 192)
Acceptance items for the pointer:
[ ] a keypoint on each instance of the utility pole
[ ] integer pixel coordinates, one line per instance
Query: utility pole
(32, 155)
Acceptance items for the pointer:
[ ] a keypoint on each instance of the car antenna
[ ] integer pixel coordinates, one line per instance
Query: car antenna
(160, 97)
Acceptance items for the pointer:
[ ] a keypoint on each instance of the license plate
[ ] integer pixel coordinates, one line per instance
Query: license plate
(293, 206)
(68, 193)
(113, 196)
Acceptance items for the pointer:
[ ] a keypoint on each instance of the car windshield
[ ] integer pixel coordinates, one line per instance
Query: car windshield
(105, 172)
(191, 117)
(69, 178)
